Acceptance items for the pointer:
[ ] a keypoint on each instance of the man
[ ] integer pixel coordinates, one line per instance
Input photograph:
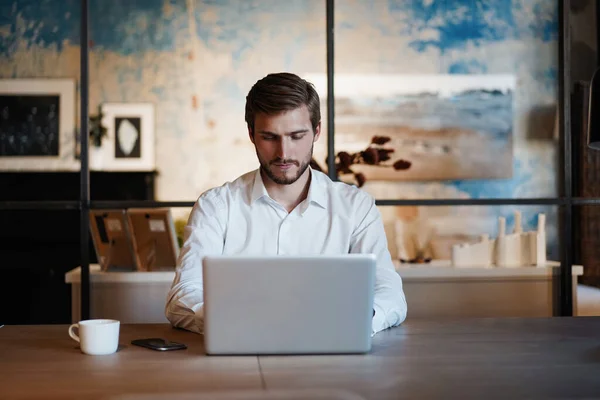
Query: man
(284, 207)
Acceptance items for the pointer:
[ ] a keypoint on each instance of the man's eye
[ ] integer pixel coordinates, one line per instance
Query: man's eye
(269, 137)
(297, 137)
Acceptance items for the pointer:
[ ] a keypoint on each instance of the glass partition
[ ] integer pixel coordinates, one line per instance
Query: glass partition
(39, 102)
(38, 248)
(450, 100)
(175, 76)
(430, 234)
(586, 248)
(433, 101)
(477, 261)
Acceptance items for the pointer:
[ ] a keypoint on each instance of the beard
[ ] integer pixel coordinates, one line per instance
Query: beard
(285, 179)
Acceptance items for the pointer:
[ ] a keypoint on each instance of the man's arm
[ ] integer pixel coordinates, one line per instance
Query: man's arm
(369, 237)
(204, 235)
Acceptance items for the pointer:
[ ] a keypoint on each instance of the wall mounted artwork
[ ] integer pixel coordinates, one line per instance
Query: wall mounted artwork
(449, 127)
(129, 143)
(37, 125)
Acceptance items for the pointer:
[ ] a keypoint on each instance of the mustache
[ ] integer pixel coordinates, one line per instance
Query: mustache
(282, 161)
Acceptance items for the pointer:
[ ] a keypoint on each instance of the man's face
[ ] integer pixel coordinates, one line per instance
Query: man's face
(284, 144)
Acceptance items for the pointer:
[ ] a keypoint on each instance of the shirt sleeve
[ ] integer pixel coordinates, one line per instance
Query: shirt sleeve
(369, 237)
(204, 235)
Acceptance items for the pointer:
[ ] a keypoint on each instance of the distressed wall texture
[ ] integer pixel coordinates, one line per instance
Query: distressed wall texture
(196, 60)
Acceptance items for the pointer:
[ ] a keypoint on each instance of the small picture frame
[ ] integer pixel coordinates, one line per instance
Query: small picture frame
(129, 142)
(37, 125)
(154, 237)
(113, 240)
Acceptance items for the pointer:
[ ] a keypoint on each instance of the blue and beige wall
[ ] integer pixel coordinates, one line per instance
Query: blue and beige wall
(195, 60)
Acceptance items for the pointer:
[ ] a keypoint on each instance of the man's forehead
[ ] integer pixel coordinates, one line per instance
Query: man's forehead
(283, 122)
(300, 112)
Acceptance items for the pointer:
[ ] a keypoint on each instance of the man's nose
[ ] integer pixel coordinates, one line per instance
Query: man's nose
(282, 149)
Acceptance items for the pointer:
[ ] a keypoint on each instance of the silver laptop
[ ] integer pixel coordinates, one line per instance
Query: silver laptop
(288, 305)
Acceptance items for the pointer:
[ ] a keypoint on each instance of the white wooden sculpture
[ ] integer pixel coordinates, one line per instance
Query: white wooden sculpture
(538, 243)
(508, 246)
(473, 254)
(509, 250)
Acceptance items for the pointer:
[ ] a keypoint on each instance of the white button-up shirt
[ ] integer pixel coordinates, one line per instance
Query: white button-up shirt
(240, 217)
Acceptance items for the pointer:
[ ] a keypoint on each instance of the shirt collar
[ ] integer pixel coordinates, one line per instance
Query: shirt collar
(316, 191)
(258, 189)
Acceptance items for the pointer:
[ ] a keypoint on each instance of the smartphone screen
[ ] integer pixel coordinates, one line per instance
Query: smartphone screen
(159, 344)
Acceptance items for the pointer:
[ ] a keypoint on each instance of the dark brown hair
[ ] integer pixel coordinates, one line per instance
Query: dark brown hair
(279, 92)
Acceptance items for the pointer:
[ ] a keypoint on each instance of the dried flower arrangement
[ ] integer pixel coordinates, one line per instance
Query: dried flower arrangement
(97, 130)
(375, 154)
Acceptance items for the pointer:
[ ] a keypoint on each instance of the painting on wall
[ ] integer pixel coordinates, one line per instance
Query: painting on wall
(448, 127)
(130, 138)
(37, 125)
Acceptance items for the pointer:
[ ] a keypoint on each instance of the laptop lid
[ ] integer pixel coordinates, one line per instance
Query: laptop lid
(288, 305)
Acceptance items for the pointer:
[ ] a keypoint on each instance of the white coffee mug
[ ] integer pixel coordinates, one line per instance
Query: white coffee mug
(97, 336)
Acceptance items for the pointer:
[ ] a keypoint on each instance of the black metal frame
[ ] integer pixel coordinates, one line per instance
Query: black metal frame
(330, 26)
(84, 222)
(563, 296)
(565, 287)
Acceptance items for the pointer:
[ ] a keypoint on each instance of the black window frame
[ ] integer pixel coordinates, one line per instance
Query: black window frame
(563, 296)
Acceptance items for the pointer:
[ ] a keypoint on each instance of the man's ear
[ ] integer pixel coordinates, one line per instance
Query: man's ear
(317, 132)
(251, 134)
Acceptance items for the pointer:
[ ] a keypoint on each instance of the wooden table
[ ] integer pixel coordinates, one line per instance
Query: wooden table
(44, 362)
(453, 358)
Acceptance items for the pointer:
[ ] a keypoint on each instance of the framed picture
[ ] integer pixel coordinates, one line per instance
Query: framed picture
(449, 127)
(154, 238)
(37, 125)
(129, 141)
(113, 240)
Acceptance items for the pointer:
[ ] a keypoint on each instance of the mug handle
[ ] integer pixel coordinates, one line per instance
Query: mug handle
(72, 334)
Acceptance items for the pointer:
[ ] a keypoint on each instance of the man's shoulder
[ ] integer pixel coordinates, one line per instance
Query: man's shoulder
(342, 192)
(221, 194)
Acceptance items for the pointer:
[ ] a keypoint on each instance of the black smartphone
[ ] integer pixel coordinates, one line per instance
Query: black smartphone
(159, 344)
